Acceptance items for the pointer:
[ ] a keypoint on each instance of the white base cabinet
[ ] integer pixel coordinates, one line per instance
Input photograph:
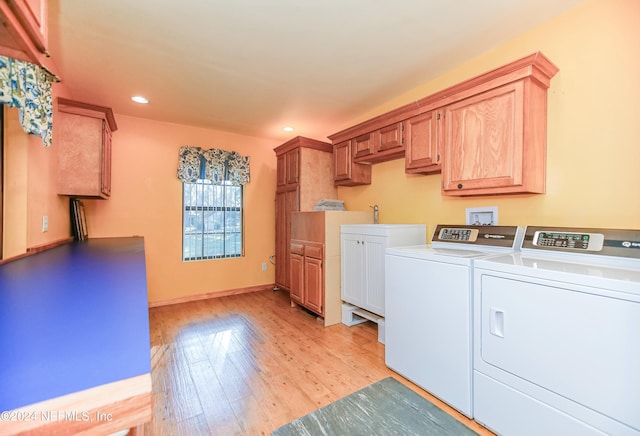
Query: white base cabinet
(362, 251)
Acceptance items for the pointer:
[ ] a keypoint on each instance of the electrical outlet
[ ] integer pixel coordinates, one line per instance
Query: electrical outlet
(264, 266)
(45, 223)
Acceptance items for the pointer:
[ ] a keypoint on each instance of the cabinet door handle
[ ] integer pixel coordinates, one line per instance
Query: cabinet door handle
(459, 185)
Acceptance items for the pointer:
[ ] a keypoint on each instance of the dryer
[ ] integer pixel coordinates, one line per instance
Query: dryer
(428, 310)
(557, 334)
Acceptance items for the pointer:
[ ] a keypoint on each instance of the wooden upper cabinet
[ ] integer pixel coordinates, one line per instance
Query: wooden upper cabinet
(84, 149)
(487, 135)
(24, 31)
(346, 171)
(380, 145)
(391, 138)
(424, 134)
(288, 168)
(33, 16)
(496, 142)
(363, 145)
(496, 130)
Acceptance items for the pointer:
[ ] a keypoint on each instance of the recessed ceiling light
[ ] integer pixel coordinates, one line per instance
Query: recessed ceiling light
(288, 129)
(140, 99)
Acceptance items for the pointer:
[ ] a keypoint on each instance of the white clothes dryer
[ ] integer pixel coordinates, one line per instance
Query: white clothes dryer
(557, 334)
(428, 307)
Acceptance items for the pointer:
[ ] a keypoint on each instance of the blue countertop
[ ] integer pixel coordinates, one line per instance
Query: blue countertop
(72, 318)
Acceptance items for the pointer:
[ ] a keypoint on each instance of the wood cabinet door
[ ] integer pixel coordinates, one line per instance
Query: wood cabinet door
(286, 202)
(106, 160)
(314, 285)
(483, 147)
(281, 170)
(342, 161)
(390, 137)
(80, 155)
(33, 16)
(296, 283)
(422, 154)
(293, 166)
(363, 145)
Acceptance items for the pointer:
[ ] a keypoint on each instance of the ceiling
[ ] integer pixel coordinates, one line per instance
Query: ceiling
(254, 66)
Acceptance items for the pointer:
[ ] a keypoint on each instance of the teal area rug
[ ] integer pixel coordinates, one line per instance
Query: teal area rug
(386, 407)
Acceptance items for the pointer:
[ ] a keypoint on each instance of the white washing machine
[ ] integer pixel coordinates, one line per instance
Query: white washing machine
(428, 296)
(557, 334)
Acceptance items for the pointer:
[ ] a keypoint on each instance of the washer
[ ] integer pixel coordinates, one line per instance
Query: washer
(428, 292)
(557, 334)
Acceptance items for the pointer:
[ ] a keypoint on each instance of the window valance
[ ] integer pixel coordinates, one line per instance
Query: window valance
(216, 165)
(27, 87)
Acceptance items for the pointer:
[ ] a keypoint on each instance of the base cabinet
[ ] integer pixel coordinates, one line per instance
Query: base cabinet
(307, 275)
(362, 257)
(314, 263)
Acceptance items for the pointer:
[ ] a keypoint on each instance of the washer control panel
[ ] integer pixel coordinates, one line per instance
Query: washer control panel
(458, 234)
(478, 236)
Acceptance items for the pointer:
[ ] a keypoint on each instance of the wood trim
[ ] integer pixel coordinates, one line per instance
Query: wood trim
(395, 116)
(301, 141)
(535, 65)
(38, 249)
(104, 409)
(89, 110)
(209, 295)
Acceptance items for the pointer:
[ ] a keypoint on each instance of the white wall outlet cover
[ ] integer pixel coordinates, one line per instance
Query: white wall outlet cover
(482, 216)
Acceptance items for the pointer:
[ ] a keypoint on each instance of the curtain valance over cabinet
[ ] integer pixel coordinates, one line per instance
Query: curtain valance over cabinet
(216, 165)
(27, 87)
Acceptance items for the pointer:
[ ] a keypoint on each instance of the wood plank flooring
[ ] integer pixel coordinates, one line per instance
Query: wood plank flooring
(247, 364)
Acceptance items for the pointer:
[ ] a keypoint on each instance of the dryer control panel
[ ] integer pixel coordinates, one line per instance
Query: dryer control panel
(605, 242)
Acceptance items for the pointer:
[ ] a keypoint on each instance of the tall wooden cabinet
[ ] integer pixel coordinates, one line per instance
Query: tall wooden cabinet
(84, 149)
(315, 267)
(304, 175)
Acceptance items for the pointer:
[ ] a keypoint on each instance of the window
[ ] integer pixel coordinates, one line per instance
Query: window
(212, 220)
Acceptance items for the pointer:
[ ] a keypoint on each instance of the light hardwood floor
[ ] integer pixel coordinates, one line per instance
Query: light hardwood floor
(247, 364)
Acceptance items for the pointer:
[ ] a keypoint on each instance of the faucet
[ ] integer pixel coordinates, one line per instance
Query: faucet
(375, 213)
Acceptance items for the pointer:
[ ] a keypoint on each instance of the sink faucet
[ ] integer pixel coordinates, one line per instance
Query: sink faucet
(375, 213)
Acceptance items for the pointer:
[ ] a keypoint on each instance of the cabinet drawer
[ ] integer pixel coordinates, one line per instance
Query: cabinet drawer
(297, 247)
(314, 249)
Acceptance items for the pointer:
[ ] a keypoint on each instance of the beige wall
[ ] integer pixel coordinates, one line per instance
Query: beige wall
(146, 200)
(593, 145)
(30, 183)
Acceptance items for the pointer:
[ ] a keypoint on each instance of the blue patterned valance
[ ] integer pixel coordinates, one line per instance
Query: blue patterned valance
(216, 165)
(27, 87)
